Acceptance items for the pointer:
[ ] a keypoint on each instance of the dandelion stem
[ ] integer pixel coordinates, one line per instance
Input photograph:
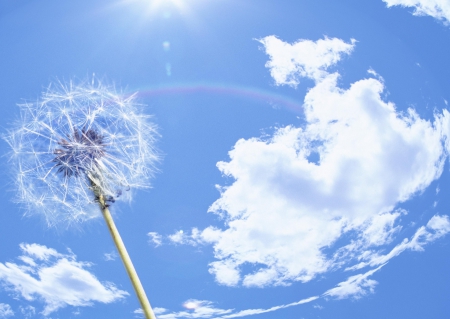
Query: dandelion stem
(77, 141)
(143, 300)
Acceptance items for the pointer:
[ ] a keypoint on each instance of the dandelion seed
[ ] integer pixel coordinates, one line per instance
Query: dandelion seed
(78, 148)
(73, 135)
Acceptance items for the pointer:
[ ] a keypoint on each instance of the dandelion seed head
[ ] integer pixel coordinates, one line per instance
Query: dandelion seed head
(74, 136)
(79, 153)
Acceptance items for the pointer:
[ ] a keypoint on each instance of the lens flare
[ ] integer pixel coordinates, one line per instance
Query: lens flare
(192, 304)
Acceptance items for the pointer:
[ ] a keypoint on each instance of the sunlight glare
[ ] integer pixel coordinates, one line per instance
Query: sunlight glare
(191, 305)
(177, 3)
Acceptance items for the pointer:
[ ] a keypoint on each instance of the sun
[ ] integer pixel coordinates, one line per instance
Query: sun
(180, 4)
(177, 2)
(152, 6)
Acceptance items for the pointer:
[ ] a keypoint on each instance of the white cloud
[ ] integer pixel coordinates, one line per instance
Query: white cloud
(356, 286)
(249, 312)
(359, 285)
(439, 9)
(5, 311)
(284, 213)
(205, 309)
(139, 313)
(155, 239)
(304, 58)
(318, 307)
(180, 237)
(226, 272)
(283, 210)
(436, 227)
(28, 311)
(110, 256)
(195, 309)
(157, 311)
(57, 279)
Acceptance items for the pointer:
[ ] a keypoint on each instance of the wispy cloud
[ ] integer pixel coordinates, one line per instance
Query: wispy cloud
(110, 256)
(28, 311)
(139, 313)
(355, 286)
(5, 311)
(194, 309)
(154, 238)
(360, 285)
(249, 312)
(439, 9)
(180, 237)
(57, 279)
(206, 309)
(437, 227)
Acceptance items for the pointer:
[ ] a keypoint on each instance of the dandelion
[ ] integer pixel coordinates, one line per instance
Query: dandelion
(78, 148)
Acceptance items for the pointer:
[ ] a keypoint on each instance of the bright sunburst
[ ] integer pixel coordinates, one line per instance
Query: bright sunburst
(152, 6)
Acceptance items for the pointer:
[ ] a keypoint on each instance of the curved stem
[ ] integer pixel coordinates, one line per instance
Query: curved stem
(143, 300)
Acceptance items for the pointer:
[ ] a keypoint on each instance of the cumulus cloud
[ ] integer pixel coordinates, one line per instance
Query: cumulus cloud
(355, 286)
(5, 311)
(439, 9)
(343, 173)
(283, 210)
(56, 279)
(304, 58)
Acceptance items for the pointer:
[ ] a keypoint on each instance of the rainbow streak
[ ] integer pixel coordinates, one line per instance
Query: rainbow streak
(271, 98)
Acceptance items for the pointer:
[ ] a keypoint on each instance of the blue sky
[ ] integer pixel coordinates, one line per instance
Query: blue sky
(304, 159)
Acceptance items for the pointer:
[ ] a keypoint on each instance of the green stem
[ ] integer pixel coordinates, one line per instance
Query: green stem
(143, 300)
